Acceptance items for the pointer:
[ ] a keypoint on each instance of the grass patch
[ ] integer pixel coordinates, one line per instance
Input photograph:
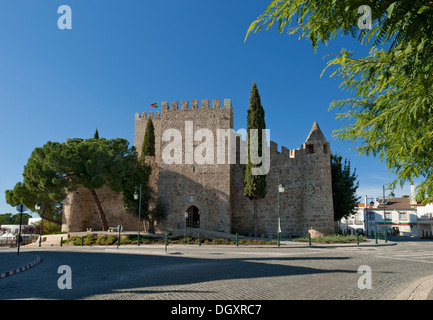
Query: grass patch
(427, 237)
(131, 239)
(335, 238)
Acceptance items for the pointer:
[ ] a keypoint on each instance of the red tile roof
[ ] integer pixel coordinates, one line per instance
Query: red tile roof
(393, 204)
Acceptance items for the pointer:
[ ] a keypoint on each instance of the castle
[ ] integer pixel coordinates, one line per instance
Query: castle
(211, 192)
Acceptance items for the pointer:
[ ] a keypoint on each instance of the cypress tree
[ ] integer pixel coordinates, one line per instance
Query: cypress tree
(254, 185)
(96, 135)
(148, 148)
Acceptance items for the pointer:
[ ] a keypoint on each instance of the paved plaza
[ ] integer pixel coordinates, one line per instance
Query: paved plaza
(295, 271)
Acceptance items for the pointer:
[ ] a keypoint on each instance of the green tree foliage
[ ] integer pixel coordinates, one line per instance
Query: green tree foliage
(52, 210)
(150, 211)
(9, 218)
(49, 227)
(58, 168)
(42, 185)
(96, 135)
(95, 163)
(392, 85)
(5, 218)
(254, 185)
(148, 141)
(157, 214)
(344, 186)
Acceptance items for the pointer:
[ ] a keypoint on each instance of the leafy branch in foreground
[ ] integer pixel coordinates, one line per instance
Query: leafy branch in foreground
(391, 109)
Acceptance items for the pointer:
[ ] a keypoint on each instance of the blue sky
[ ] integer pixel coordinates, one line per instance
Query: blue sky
(121, 56)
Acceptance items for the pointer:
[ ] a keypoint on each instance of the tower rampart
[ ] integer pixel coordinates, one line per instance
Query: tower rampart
(306, 203)
(188, 182)
(210, 187)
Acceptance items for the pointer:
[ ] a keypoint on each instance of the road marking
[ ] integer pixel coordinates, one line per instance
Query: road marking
(414, 254)
(406, 259)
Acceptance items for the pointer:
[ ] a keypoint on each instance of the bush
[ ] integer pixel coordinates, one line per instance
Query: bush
(427, 237)
(131, 239)
(128, 239)
(89, 240)
(71, 239)
(111, 240)
(335, 238)
(77, 241)
(220, 241)
(101, 240)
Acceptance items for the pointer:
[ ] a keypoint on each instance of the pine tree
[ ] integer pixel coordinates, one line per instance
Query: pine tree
(96, 135)
(254, 185)
(58, 168)
(148, 148)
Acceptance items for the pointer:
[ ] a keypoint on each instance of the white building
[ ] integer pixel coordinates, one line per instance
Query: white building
(425, 220)
(10, 228)
(34, 221)
(403, 216)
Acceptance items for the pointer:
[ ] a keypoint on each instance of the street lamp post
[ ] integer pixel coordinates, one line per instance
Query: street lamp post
(38, 207)
(186, 218)
(384, 213)
(384, 202)
(138, 197)
(280, 190)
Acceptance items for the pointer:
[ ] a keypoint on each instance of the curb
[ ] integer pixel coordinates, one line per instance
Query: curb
(417, 290)
(20, 269)
(423, 290)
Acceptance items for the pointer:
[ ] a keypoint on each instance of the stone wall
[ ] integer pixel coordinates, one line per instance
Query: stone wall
(188, 183)
(306, 203)
(80, 211)
(216, 188)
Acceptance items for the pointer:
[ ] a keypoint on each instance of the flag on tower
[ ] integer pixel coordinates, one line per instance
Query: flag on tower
(155, 105)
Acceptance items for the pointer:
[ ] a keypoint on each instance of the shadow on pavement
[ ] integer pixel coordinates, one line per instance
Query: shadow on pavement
(106, 273)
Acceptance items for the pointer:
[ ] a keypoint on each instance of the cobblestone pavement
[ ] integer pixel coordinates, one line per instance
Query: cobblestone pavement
(293, 271)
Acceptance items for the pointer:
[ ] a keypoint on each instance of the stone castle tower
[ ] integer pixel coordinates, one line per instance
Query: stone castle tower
(212, 192)
(209, 187)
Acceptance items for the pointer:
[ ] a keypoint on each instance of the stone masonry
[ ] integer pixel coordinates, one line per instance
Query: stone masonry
(210, 189)
(216, 190)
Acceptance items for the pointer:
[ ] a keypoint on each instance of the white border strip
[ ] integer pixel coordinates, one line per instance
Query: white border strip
(20, 269)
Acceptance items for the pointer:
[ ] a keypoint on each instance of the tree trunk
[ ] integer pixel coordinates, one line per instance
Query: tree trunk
(255, 217)
(100, 210)
(51, 220)
(151, 228)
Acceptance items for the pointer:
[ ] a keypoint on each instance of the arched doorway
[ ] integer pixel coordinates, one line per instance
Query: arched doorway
(193, 220)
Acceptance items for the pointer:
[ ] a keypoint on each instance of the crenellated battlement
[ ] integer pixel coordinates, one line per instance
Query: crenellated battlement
(285, 153)
(185, 106)
(145, 115)
(199, 168)
(206, 114)
(298, 153)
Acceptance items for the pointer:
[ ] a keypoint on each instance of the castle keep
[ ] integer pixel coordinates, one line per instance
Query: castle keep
(212, 192)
